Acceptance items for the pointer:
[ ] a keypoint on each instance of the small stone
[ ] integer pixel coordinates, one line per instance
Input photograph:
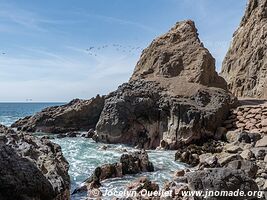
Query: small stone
(264, 130)
(264, 122)
(262, 142)
(265, 158)
(232, 136)
(259, 125)
(179, 173)
(234, 149)
(240, 125)
(250, 116)
(94, 193)
(228, 158)
(249, 125)
(253, 121)
(264, 188)
(258, 116)
(255, 111)
(247, 154)
(239, 113)
(248, 167)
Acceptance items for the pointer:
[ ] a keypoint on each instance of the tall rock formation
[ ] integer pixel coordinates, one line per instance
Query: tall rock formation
(245, 65)
(178, 57)
(174, 95)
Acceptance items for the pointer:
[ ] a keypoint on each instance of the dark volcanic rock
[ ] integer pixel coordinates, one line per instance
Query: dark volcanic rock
(171, 95)
(244, 66)
(76, 115)
(221, 179)
(133, 163)
(21, 179)
(31, 168)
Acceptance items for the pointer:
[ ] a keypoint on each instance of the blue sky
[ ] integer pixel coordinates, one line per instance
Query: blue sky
(56, 50)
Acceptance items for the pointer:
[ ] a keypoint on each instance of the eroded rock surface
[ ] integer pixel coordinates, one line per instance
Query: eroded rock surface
(31, 168)
(132, 163)
(245, 65)
(174, 95)
(74, 116)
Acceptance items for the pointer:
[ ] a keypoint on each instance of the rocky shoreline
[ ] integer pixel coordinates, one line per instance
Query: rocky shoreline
(174, 100)
(31, 168)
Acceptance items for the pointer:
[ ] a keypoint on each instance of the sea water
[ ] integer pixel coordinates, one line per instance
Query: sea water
(84, 155)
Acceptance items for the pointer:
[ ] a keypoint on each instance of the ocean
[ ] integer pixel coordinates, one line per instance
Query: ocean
(84, 155)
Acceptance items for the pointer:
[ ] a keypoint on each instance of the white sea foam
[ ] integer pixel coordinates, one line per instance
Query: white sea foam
(84, 155)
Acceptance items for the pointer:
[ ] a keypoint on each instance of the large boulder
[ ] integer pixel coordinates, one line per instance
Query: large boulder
(21, 179)
(75, 116)
(221, 179)
(174, 95)
(31, 168)
(245, 65)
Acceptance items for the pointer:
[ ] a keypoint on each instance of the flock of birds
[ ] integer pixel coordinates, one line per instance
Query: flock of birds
(94, 50)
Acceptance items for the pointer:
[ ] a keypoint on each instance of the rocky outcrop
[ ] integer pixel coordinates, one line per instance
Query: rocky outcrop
(178, 57)
(133, 163)
(75, 116)
(31, 168)
(174, 95)
(221, 179)
(245, 65)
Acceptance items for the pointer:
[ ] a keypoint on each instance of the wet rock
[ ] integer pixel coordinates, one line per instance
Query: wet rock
(71, 134)
(103, 147)
(89, 134)
(179, 173)
(61, 135)
(191, 154)
(77, 115)
(143, 183)
(136, 163)
(132, 163)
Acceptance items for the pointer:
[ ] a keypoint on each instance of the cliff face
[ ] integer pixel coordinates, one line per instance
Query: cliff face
(174, 95)
(245, 65)
(178, 57)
